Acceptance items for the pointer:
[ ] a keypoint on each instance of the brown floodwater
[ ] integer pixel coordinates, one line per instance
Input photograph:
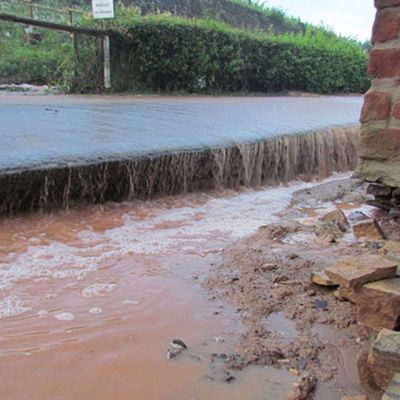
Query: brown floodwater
(91, 298)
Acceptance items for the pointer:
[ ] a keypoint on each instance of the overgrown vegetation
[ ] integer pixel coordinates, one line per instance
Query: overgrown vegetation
(165, 53)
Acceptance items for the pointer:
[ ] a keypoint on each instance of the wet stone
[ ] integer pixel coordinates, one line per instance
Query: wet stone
(329, 232)
(322, 279)
(357, 271)
(393, 390)
(391, 251)
(337, 216)
(368, 230)
(378, 304)
(384, 358)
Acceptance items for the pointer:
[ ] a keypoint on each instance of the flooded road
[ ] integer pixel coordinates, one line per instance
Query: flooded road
(91, 298)
(51, 131)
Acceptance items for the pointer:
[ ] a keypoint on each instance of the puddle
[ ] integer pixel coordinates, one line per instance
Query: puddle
(278, 323)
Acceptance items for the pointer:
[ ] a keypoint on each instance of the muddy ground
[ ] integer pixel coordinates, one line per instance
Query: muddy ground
(291, 322)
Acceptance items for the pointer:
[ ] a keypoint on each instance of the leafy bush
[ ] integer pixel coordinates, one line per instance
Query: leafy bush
(165, 53)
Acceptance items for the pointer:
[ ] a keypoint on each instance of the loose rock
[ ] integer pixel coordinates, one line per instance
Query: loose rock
(368, 230)
(356, 271)
(337, 216)
(322, 279)
(378, 304)
(384, 358)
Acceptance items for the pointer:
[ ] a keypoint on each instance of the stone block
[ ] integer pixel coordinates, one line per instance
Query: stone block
(357, 271)
(368, 230)
(378, 304)
(376, 106)
(387, 25)
(384, 358)
(393, 390)
(396, 111)
(384, 63)
(381, 145)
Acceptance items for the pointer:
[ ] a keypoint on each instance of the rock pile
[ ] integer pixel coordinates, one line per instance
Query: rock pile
(372, 283)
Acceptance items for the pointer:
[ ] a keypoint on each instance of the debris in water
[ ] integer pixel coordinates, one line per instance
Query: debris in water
(179, 344)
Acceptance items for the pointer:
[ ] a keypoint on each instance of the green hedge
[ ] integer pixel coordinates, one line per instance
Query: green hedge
(167, 54)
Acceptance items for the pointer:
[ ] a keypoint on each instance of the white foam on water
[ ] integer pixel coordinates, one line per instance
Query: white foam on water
(66, 316)
(98, 289)
(12, 305)
(133, 302)
(180, 225)
(95, 310)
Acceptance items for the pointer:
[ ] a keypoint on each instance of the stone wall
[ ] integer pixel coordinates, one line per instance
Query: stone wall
(379, 147)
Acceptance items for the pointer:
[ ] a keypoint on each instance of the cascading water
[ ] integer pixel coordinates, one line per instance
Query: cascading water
(265, 162)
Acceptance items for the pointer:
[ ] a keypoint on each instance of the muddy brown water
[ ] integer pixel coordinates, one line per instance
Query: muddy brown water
(91, 298)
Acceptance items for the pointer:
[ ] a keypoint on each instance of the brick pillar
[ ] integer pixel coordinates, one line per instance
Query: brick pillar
(379, 146)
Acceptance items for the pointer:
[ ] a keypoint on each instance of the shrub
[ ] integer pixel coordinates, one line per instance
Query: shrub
(165, 53)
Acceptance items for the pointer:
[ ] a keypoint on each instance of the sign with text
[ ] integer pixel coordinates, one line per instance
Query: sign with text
(103, 9)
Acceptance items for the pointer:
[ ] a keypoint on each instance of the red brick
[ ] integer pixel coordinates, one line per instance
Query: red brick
(384, 63)
(386, 3)
(396, 111)
(381, 145)
(387, 26)
(376, 107)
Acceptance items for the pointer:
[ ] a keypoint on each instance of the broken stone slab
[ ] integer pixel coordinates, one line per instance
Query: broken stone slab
(393, 390)
(329, 232)
(378, 304)
(355, 272)
(322, 279)
(337, 216)
(368, 230)
(384, 357)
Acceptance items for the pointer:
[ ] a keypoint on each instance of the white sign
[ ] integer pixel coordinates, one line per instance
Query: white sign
(103, 9)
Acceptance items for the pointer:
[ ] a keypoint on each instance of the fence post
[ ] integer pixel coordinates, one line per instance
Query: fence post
(107, 62)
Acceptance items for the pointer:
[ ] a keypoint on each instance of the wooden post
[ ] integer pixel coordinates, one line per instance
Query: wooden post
(107, 62)
(74, 35)
(31, 9)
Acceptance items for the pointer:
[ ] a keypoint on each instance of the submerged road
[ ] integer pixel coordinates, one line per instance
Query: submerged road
(43, 131)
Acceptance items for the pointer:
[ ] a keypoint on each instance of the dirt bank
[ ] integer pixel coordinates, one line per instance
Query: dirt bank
(291, 322)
